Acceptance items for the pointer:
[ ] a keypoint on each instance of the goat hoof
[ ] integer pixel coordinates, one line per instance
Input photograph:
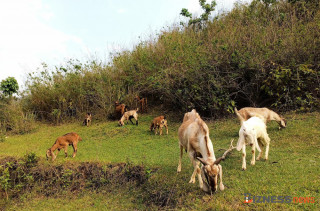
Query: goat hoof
(253, 163)
(243, 169)
(179, 169)
(192, 181)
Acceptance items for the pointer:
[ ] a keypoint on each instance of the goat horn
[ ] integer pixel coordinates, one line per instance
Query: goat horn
(202, 161)
(225, 153)
(218, 160)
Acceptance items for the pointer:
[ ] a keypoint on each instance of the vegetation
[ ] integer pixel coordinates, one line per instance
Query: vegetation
(151, 161)
(266, 53)
(262, 54)
(9, 86)
(12, 117)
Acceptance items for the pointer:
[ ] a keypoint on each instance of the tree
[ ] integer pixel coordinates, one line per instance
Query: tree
(9, 86)
(200, 22)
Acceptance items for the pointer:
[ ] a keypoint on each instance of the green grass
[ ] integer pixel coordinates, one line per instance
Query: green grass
(292, 169)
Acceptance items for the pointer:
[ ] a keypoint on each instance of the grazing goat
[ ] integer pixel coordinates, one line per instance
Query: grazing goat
(87, 120)
(158, 123)
(194, 138)
(253, 132)
(63, 142)
(119, 109)
(142, 103)
(128, 116)
(264, 113)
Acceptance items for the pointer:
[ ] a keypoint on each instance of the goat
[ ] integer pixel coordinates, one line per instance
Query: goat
(87, 120)
(158, 123)
(253, 132)
(142, 103)
(63, 142)
(264, 113)
(128, 116)
(119, 109)
(194, 138)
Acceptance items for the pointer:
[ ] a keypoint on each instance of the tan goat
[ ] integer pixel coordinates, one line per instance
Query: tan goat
(264, 113)
(128, 116)
(63, 142)
(158, 123)
(194, 138)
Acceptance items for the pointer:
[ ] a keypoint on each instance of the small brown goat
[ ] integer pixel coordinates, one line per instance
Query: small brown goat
(119, 109)
(158, 123)
(128, 116)
(87, 120)
(63, 142)
(264, 113)
(142, 103)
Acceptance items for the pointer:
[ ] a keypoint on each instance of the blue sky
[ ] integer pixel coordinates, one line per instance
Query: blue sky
(52, 31)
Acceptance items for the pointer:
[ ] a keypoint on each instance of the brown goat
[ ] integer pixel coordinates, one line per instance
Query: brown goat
(119, 109)
(63, 142)
(142, 103)
(87, 120)
(158, 123)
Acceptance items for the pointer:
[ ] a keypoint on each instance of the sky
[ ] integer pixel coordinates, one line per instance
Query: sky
(53, 31)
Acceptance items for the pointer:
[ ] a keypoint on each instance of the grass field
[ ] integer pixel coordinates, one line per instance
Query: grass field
(293, 168)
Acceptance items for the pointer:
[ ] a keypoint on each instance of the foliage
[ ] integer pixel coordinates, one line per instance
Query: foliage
(13, 119)
(255, 55)
(9, 86)
(200, 22)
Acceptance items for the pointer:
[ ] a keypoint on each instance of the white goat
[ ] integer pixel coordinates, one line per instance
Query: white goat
(264, 113)
(253, 132)
(194, 138)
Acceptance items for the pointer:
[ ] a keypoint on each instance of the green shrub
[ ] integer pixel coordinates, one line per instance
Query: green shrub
(262, 54)
(13, 119)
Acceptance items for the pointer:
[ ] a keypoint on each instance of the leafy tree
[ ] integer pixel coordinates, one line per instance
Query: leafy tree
(9, 86)
(200, 21)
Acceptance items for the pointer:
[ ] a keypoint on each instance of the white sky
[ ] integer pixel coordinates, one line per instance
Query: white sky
(51, 31)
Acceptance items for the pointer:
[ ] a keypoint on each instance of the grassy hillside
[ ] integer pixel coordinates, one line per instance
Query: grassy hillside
(262, 54)
(292, 168)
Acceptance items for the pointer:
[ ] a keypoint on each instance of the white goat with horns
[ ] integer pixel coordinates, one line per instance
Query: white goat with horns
(194, 138)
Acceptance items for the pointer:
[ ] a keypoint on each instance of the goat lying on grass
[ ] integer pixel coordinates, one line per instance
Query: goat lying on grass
(253, 132)
(87, 120)
(158, 123)
(264, 113)
(128, 116)
(194, 138)
(63, 142)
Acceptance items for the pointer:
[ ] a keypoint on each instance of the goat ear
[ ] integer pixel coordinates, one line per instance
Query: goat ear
(202, 161)
(240, 143)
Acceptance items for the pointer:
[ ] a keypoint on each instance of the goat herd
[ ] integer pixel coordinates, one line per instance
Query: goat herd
(194, 139)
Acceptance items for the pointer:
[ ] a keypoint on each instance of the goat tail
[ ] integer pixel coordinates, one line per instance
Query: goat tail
(239, 115)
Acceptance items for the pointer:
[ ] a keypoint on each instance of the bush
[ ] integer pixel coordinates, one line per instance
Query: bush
(13, 119)
(266, 53)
